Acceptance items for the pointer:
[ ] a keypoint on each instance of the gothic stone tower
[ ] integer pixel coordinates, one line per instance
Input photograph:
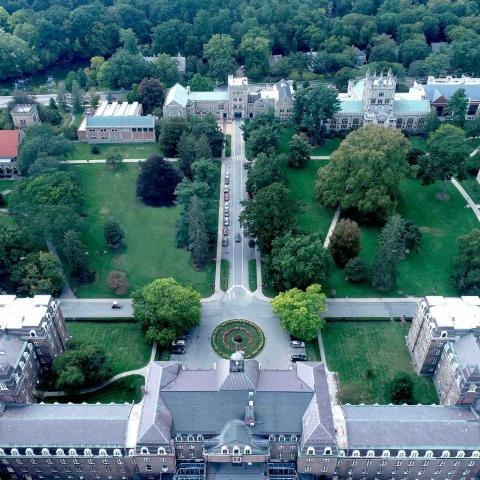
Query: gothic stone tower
(378, 96)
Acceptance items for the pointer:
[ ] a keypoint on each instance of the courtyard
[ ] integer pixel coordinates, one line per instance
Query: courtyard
(367, 355)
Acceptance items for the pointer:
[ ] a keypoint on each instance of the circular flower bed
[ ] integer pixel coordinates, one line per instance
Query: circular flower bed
(233, 335)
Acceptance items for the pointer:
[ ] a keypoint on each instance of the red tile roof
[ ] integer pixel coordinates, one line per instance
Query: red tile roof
(9, 143)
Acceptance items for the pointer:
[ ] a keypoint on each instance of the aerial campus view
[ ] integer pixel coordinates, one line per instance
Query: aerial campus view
(240, 240)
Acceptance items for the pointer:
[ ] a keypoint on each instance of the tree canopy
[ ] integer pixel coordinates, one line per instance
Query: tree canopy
(364, 174)
(466, 265)
(166, 309)
(300, 311)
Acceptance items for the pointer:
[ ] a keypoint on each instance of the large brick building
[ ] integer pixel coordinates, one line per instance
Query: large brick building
(117, 123)
(32, 334)
(238, 421)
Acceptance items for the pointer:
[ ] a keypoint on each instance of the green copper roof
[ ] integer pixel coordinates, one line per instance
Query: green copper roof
(411, 106)
(351, 106)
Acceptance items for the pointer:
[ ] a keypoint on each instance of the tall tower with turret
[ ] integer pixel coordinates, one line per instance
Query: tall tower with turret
(378, 96)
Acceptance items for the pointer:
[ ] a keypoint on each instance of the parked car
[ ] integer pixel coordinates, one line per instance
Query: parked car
(226, 189)
(227, 174)
(225, 242)
(226, 213)
(178, 350)
(297, 344)
(226, 221)
(226, 197)
(225, 232)
(298, 358)
(179, 342)
(226, 208)
(116, 304)
(238, 237)
(227, 180)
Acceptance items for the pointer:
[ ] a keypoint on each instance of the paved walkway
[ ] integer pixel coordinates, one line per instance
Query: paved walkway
(326, 243)
(465, 195)
(139, 371)
(319, 157)
(67, 291)
(93, 161)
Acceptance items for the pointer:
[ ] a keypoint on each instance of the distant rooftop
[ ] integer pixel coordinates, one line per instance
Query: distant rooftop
(16, 313)
(11, 349)
(116, 109)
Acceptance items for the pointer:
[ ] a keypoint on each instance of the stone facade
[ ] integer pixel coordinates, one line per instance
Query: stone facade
(443, 341)
(239, 100)
(372, 100)
(32, 334)
(23, 116)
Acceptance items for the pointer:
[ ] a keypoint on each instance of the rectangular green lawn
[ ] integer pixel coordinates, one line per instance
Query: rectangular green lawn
(353, 347)
(149, 251)
(441, 222)
(83, 151)
(301, 182)
(7, 184)
(123, 342)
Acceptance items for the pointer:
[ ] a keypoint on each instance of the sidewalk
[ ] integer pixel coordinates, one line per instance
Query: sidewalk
(103, 160)
(465, 195)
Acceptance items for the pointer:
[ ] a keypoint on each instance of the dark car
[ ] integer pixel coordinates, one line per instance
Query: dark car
(298, 358)
(238, 237)
(226, 197)
(178, 350)
(225, 242)
(225, 232)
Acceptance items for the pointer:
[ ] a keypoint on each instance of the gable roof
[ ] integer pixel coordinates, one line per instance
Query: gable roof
(9, 140)
(435, 91)
(177, 94)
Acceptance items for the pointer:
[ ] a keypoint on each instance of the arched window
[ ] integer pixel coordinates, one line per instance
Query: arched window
(247, 450)
(131, 452)
(72, 452)
(29, 452)
(190, 438)
(370, 453)
(87, 452)
(225, 450)
(21, 364)
(117, 452)
(14, 452)
(460, 454)
(102, 452)
(445, 454)
(414, 453)
(281, 438)
(327, 451)
(236, 450)
(59, 452)
(475, 454)
(144, 450)
(356, 453)
(45, 452)
(341, 453)
(33, 333)
(386, 453)
(310, 451)
(429, 454)
(444, 334)
(401, 454)
(161, 451)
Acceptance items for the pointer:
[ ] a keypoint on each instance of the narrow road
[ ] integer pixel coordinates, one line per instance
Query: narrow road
(238, 253)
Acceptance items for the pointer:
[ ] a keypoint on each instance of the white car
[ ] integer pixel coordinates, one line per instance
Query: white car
(297, 344)
(227, 174)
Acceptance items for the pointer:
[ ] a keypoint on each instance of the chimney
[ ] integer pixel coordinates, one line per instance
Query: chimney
(250, 414)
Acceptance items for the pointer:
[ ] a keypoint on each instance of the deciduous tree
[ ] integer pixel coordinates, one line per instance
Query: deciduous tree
(197, 233)
(300, 311)
(345, 242)
(401, 389)
(114, 158)
(150, 94)
(457, 107)
(75, 253)
(157, 181)
(298, 151)
(113, 233)
(219, 52)
(165, 309)
(365, 172)
(466, 265)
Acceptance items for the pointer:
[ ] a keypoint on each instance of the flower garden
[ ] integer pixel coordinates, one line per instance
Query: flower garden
(233, 335)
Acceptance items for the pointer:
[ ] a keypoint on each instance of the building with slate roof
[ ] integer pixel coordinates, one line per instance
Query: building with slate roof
(238, 421)
(439, 90)
(117, 123)
(373, 100)
(239, 100)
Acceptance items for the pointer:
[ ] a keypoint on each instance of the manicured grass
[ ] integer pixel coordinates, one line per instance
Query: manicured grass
(149, 252)
(224, 270)
(441, 223)
(252, 274)
(233, 335)
(301, 182)
(418, 142)
(83, 151)
(125, 390)
(472, 187)
(123, 342)
(78, 119)
(313, 351)
(228, 145)
(353, 347)
(7, 184)
(330, 145)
